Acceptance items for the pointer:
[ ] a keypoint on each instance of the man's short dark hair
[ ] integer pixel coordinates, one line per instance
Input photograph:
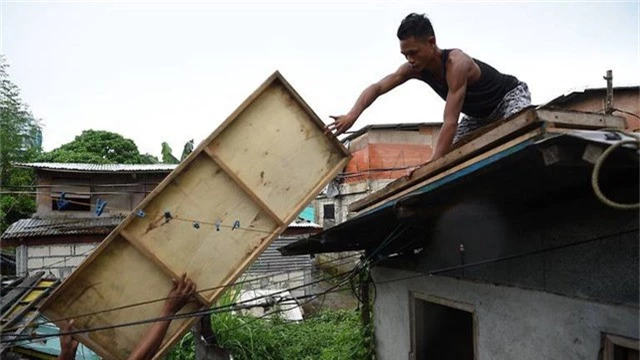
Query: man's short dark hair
(415, 25)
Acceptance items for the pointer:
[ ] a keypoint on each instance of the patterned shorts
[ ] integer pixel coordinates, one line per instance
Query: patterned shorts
(515, 100)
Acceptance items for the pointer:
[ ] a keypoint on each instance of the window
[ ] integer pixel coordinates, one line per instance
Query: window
(441, 329)
(329, 211)
(77, 199)
(620, 348)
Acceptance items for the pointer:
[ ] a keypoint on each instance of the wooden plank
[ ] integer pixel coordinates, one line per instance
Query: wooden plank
(188, 221)
(243, 186)
(11, 300)
(581, 120)
(499, 134)
(520, 139)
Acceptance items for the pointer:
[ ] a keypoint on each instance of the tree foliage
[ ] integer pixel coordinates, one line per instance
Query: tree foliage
(20, 141)
(97, 147)
(167, 156)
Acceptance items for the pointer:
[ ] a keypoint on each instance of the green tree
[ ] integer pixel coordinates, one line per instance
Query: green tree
(97, 147)
(167, 156)
(20, 141)
(188, 149)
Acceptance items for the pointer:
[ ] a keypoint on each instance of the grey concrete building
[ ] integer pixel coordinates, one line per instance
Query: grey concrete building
(511, 257)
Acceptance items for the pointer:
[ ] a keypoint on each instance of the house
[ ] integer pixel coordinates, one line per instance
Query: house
(57, 238)
(379, 155)
(502, 250)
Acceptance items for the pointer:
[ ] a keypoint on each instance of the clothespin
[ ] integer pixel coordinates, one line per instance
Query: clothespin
(100, 204)
(196, 225)
(140, 213)
(218, 223)
(62, 201)
(236, 225)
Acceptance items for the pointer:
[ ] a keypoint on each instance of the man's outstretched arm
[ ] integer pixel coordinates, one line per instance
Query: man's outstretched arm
(343, 122)
(183, 288)
(457, 74)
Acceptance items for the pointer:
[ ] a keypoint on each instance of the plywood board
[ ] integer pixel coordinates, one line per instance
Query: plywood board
(491, 137)
(258, 169)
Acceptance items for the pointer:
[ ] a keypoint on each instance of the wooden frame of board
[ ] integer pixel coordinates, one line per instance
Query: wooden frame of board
(210, 218)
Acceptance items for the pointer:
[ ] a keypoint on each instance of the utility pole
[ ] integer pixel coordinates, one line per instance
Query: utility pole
(608, 101)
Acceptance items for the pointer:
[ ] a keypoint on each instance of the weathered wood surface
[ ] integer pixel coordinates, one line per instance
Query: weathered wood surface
(490, 137)
(259, 168)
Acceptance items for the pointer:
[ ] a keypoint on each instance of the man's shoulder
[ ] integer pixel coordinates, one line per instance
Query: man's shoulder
(458, 55)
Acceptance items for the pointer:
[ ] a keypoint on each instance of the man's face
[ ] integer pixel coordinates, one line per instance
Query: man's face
(418, 52)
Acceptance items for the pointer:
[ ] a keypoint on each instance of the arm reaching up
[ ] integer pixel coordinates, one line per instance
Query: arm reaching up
(343, 122)
(182, 290)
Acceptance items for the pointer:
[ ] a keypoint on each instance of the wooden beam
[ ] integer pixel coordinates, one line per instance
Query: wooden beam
(580, 120)
(264, 207)
(491, 138)
(522, 138)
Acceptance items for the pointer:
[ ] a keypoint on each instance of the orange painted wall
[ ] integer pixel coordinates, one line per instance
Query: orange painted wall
(370, 161)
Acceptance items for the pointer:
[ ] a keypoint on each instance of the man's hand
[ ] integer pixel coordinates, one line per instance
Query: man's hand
(341, 124)
(178, 297)
(68, 345)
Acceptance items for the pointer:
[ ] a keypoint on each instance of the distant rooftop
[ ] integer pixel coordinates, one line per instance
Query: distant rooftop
(398, 126)
(98, 168)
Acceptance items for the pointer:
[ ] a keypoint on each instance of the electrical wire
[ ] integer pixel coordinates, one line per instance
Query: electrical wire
(123, 307)
(626, 112)
(508, 257)
(198, 313)
(595, 174)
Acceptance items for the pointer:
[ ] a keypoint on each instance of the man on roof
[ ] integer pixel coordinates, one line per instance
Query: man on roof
(468, 85)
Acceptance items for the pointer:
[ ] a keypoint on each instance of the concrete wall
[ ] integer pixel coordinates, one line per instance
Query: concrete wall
(278, 281)
(60, 259)
(511, 323)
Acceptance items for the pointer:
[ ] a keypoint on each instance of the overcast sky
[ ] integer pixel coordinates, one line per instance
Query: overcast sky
(173, 71)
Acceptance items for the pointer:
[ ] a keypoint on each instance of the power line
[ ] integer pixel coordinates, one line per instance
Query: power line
(508, 257)
(34, 324)
(197, 313)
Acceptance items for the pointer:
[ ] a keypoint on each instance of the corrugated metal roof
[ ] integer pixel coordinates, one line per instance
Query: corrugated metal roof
(61, 226)
(20, 298)
(78, 167)
(308, 224)
(272, 261)
(397, 126)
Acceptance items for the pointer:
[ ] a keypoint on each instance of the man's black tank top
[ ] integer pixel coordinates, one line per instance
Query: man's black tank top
(483, 96)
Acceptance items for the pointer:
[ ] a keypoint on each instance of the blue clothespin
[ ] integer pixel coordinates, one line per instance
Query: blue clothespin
(140, 213)
(236, 225)
(62, 202)
(218, 223)
(100, 204)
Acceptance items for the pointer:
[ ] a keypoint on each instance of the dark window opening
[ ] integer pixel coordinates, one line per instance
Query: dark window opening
(73, 204)
(620, 348)
(442, 332)
(329, 211)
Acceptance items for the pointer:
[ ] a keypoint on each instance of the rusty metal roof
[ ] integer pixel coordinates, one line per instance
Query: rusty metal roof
(61, 226)
(100, 168)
